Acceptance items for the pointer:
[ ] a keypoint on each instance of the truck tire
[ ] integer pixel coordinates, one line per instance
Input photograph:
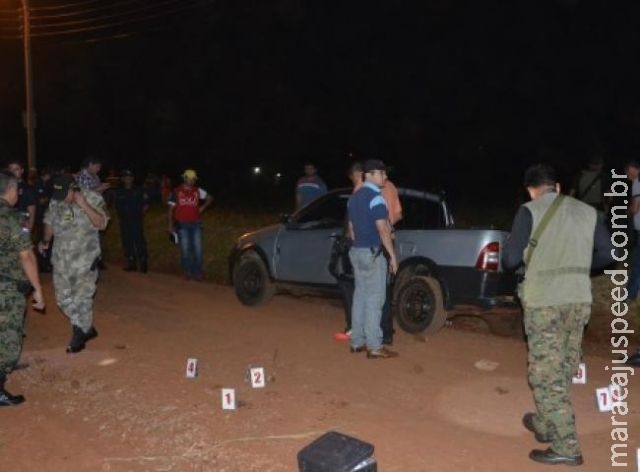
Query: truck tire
(251, 280)
(419, 306)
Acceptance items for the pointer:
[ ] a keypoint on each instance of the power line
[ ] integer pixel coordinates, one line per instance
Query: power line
(112, 25)
(119, 23)
(109, 6)
(68, 5)
(105, 17)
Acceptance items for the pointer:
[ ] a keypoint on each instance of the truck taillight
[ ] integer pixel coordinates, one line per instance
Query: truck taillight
(489, 258)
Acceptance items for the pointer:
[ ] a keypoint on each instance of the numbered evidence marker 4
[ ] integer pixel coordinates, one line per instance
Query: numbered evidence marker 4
(192, 368)
(581, 374)
(257, 377)
(229, 399)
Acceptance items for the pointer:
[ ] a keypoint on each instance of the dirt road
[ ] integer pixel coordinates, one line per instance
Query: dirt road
(124, 404)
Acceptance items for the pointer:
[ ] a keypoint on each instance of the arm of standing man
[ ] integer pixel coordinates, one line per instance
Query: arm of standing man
(385, 235)
(30, 268)
(98, 219)
(207, 202)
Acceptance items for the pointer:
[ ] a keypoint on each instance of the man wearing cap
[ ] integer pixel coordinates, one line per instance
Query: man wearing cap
(309, 187)
(184, 216)
(74, 218)
(132, 202)
(557, 239)
(371, 235)
(18, 273)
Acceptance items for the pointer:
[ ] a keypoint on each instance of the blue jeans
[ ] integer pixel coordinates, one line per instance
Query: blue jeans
(633, 285)
(190, 235)
(370, 273)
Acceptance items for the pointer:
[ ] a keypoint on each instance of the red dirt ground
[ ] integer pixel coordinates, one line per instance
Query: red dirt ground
(124, 403)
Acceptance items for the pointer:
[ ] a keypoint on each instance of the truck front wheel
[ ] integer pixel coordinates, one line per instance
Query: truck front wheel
(419, 306)
(251, 280)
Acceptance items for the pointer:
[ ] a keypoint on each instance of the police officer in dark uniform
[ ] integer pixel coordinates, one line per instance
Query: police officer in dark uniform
(131, 204)
(43, 189)
(26, 205)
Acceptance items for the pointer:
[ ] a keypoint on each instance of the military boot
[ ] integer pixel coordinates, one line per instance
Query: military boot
(6, 399)
(78, 340)
(131, 265)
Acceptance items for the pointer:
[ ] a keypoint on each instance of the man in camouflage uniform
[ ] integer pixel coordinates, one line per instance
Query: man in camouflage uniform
(556, 297)
(15, 281)
(74, 218)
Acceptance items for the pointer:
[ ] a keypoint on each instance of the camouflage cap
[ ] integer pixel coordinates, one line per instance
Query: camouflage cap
(61, 186)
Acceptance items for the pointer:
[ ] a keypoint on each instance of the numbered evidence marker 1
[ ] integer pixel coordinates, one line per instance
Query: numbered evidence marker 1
(257, 377)
(581, 374)
(229, 399)
(192, 368)
(603, 397)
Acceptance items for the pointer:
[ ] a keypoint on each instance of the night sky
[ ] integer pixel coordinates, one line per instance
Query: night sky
(459, 95)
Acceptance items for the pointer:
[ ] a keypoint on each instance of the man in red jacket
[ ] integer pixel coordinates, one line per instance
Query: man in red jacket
(184, 216)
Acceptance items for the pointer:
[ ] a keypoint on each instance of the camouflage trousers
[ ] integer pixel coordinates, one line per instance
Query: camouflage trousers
(75, 287)
(12, 308)
(554, 336)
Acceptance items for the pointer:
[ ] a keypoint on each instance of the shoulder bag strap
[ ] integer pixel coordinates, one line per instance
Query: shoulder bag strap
(533, 242)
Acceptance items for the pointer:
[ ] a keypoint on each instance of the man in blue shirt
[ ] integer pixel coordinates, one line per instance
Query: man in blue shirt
(370, 232)
(309, 187)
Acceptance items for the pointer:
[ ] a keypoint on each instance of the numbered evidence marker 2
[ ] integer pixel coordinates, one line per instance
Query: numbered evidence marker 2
(192, 368)
(229, 399)
(581, 374)
(257, 377)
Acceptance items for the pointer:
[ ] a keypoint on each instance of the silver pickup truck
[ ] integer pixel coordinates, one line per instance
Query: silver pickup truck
(442, 270)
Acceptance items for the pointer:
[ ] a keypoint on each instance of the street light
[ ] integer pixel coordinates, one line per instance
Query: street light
(28, 79)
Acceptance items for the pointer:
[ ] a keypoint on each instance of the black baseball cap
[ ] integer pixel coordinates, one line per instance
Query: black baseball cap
(61, 186)
(374, 164)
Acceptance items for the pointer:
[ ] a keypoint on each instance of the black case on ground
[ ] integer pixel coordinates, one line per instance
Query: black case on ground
(336, 452)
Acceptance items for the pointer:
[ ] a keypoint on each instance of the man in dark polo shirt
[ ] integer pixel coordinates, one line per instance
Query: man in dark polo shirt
(371, 235)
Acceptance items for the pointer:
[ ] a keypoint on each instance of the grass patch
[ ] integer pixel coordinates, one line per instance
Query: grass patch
(221, 228)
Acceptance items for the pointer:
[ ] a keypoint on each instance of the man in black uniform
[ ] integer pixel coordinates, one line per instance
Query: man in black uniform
(43, 189)
(26, 205)
(131, 204)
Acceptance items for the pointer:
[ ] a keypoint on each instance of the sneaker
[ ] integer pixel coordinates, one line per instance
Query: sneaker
(356, 349)
(382, 353)
(343, 336)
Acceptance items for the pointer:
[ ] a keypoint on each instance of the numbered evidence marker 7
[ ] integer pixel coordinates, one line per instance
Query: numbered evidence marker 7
(229, 399)
(192, 368)
(581, 374)
(257, 377)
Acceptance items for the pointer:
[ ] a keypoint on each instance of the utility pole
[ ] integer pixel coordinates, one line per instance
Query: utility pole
(30, 118)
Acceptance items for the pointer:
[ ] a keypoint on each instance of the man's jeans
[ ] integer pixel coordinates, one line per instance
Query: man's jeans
(370, 272)
(633, 286)
(190, 235)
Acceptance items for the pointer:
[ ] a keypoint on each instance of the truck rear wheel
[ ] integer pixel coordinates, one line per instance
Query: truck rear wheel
(251, 280)
(419, 306)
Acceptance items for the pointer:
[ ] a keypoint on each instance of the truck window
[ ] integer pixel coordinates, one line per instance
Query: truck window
(329, 211)
(419, 213)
